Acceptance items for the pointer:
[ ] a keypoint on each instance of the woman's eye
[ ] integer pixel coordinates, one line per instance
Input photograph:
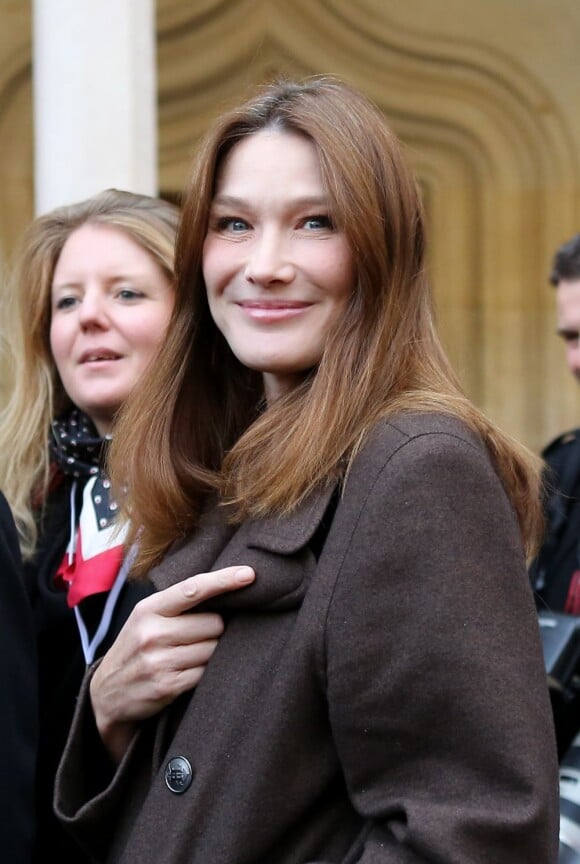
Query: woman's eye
(129, 294)
(313, 223)
(232, 224)
(65, 302)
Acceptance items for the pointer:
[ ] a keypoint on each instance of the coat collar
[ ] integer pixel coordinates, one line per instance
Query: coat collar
(276, 547)
(288, 534)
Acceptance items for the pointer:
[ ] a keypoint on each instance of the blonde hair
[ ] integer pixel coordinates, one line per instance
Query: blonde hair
(36, 393)
(197, 425)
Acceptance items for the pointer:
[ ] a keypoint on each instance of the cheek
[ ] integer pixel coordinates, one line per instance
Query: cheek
(349, 272)
(210, 261)
(211, 276)
(215, 309)
(59, 343)
(147, 341)
(337, 272)
(221, 261)
(145, 327)
(144, 342)
(340, 290)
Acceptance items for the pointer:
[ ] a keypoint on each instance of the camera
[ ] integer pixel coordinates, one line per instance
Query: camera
(561, 645)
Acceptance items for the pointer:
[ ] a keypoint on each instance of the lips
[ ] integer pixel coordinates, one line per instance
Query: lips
(271, 312)
(98, 355)
(274, 304)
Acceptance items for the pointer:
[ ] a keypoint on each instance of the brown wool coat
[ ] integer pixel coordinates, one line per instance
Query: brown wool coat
(385, 704)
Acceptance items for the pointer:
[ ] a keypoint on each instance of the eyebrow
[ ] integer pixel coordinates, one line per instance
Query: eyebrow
(567, 333)
(110, 280)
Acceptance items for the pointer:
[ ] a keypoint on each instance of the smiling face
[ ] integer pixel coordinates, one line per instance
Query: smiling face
(278, 273)
(111, 303)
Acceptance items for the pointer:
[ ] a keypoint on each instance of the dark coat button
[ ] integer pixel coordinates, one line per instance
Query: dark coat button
(178, 774)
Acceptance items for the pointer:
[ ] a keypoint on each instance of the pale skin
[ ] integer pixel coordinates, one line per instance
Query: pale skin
(278, 274)
(110, 307)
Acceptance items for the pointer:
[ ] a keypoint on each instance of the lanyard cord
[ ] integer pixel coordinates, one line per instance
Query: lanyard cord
(72, 543)
(90, 645)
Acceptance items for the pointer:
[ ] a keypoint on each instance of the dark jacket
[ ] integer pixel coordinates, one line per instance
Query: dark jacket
(61, 665)
(19, 693)
(384, 701)
(559, 557)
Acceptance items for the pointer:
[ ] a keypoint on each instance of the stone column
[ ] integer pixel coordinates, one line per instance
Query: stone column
(95, 98)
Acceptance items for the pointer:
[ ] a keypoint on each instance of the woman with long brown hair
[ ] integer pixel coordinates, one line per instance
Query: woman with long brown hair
(378, 693)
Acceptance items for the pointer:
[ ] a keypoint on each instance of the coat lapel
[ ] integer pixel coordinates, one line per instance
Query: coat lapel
(197, 555)
(276, 547)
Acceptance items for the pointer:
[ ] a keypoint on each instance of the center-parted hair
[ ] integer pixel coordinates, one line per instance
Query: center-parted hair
(198, 425)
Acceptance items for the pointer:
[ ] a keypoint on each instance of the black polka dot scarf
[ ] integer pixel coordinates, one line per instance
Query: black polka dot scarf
(94, 555)
(80, 452)
(76, 446)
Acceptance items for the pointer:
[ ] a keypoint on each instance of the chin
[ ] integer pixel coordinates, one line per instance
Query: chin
(102, 409)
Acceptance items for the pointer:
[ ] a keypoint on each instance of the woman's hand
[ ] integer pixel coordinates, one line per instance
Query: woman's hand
(159, 654)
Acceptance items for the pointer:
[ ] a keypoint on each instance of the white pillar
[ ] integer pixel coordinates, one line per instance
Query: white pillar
(95, 98)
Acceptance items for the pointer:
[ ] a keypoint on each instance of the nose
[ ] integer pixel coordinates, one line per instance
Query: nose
(268, 261)
(92, 310)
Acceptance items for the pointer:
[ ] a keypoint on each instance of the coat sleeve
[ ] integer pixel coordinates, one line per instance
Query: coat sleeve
(19, 688)
(89, 789)
(436, 685)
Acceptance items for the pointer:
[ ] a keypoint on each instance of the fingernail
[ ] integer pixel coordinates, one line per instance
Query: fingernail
(244, 574)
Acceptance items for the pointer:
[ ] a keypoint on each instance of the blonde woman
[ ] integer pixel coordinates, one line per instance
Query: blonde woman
(378, 694)
(88, 306)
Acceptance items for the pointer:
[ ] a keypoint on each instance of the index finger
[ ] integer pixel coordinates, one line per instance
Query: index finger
(195, 589)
